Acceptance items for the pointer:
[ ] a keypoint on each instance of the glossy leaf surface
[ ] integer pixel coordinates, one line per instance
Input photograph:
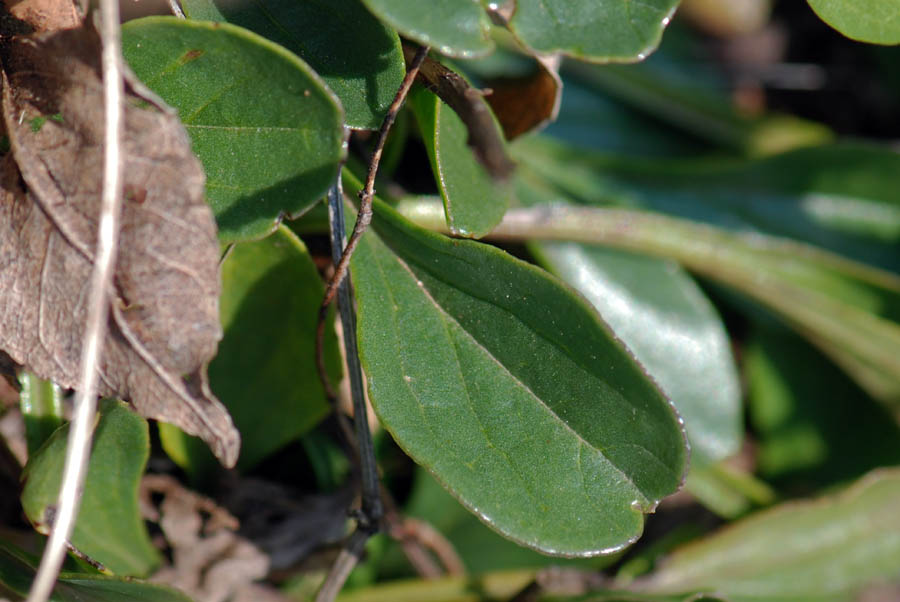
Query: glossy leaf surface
(597, 30)
(17, 571)
(109, 528)
(265, 371)
(358, 58)
(735, 223)
(511, 391)
(268, 131)
(473, 201)
(457, 28)
(823, 549)
(876, 21)
(664, 318)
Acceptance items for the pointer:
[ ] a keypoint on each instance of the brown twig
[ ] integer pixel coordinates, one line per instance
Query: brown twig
(418, 537)
(470, 106)
(364, 217)
(340, 570)
(419, 541)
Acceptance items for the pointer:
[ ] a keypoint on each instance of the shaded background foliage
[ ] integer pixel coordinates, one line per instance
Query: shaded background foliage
(749, 263)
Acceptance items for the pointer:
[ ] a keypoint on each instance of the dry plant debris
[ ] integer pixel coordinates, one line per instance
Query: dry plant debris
(164, 326)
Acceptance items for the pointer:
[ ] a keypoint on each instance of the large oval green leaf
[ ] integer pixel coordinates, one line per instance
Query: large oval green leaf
(268, 131)
(876, 21)
(664, 318)
(359, 58)
(17, 572)
(109, 526)
(826, 549)
(457, 28)
(595, 30)
(473, 201)
(510, 389)
(271, 292)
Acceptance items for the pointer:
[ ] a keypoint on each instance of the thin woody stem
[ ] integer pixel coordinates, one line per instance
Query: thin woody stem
(370, 515)
(79, 440)
(364, 217)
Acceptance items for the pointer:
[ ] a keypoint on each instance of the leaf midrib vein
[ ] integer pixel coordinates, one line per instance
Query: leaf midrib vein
(518, 382)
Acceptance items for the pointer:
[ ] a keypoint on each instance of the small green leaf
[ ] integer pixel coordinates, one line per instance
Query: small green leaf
(271, 292)
(664, 318)
(268, 131)
(875, 21)
(595, 30)
(473, 201)
(41, 404)
(359, 58)
(824, 549)
(509, 388)
(17, 572)
(109, 528)
(457, 28)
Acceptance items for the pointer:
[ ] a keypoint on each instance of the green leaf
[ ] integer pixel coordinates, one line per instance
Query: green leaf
(595, 30)
(664, 318)
(728, 491)
(473, 201)
(271, 292)
(875, 21)
(814, 427)
(359, 58)
(109, 528)
(17, 572)
(480, 549)
(840, 197)
(509, 388)
(457, 28)
(41, 404)
(824, 549)
(268, 131)
(836, 197)
(673, 89)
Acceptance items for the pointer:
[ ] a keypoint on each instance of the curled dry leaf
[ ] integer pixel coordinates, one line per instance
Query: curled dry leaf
(210, 561)
(527, 103)
(164, 326)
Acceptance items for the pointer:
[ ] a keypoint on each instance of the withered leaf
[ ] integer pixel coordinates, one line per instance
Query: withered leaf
(164, 326)
(526, 103)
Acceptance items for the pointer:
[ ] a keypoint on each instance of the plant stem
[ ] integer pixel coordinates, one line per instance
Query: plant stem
(372, 509)
(79, 442)
(364, 218)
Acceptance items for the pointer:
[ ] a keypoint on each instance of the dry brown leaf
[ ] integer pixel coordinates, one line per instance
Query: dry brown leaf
(527, 103)
(164, 326)
(46, 15)
(210, 561)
